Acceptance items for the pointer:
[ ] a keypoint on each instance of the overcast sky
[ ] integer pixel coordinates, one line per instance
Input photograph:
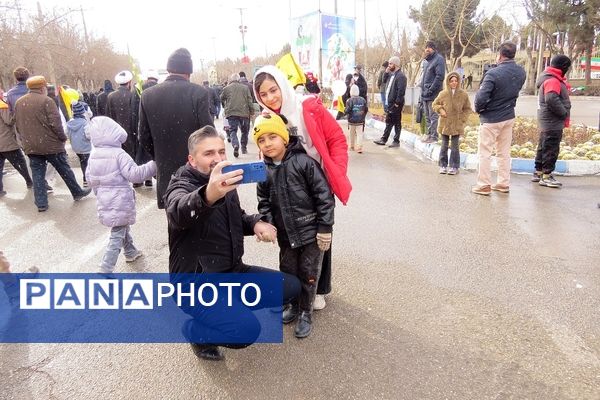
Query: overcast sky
(209, 29)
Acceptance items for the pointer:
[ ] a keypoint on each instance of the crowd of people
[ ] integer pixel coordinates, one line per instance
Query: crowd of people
(446, 108)
(168, 132)
(123, 138)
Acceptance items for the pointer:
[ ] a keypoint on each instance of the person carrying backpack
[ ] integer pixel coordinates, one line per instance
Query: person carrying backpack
(356, 110)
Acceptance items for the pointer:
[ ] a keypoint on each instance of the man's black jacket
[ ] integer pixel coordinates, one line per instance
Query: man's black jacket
(204, 238)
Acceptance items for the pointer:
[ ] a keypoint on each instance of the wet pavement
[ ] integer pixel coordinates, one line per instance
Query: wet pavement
(438, 294)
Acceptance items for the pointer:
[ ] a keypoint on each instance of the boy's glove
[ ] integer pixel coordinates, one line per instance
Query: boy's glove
(324, 241)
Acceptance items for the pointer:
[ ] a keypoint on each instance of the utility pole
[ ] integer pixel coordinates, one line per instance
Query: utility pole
(365, 21)
(85, 32)
(51, 73)
(243, 30)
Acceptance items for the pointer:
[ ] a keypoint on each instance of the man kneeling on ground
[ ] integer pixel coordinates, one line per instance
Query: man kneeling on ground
(207, 228)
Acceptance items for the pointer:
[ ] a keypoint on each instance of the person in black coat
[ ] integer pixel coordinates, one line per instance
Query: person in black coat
(361, 82)
(206, 235)
(103, 97)
(395, 90)
(297, 199)
(121, 107)
(169, 113)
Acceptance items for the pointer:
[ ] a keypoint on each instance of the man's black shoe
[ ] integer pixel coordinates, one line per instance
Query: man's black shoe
(148, 183)
(42, 209)
(304, 325)
(394, 144)
(207, 351)
(290, 313)
(244, 150)
(84, 193)
(380, 142)
(137, 185)
(236, 151)
(49, 188)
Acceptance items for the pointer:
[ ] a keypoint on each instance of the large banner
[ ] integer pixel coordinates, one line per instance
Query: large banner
(328, 37)
(338, 47)
(305, 42)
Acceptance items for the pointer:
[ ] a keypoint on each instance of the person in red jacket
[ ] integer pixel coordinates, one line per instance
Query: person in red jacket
(322, 138)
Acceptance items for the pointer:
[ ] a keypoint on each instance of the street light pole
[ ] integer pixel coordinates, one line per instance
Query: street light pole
(243, 30)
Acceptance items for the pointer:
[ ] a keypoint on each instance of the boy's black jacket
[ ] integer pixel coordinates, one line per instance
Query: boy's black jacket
(296, 197)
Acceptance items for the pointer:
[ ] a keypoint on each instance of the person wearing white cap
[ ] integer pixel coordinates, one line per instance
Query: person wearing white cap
(394, 95)
(120, 107)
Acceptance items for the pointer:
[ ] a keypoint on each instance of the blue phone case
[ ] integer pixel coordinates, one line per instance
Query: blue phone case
(253, 171)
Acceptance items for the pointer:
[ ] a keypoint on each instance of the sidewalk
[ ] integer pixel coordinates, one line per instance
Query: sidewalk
(471, 161)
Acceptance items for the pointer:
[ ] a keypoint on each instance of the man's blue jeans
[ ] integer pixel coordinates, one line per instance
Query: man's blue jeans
(244, 125)
(38, 165)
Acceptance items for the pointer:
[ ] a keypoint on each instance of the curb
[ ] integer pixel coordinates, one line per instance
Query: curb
(471, 161)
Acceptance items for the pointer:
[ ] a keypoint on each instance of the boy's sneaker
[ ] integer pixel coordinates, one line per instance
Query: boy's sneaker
(236, 151)
(549, 181)
(537, 175)
(452, 171)
(49, 189)
(482, 190)
(394, 144)
(500, 188)
(443, 170)
(319, 302)
(380, 142)
(304, 325)
(2, 193)
(133, 257)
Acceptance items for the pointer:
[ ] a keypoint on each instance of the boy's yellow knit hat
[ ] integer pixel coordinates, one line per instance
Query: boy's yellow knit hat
(270, 123)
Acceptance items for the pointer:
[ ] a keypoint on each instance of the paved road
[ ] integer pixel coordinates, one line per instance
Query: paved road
(439, 294)
(585, 110)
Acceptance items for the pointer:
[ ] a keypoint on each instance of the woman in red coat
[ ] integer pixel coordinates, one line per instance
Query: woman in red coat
(322, 138)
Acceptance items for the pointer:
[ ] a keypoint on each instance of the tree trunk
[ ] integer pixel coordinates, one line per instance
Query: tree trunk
(588, 64)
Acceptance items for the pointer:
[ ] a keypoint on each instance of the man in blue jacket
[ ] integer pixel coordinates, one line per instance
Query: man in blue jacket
(431, 85)
(495, 103)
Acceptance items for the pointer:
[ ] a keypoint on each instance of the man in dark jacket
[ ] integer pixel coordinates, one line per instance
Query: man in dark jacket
(21, 75)
(394, 94)
(38, 121)
(103, 97)
(121, 107)
(169, 113)
(495, 103)
(244, 81)
(553, 116)
(360, 81)
(382, 79)
(211, 104)
(431, 85)
(207, 228)
(237, 102)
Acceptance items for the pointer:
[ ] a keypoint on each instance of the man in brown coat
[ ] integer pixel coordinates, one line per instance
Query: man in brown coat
(9, 146)
(38, 122)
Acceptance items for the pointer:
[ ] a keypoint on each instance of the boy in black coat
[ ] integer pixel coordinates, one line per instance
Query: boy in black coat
(296, 198)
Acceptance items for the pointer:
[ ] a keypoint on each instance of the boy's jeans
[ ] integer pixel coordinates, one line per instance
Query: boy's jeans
(120, 238)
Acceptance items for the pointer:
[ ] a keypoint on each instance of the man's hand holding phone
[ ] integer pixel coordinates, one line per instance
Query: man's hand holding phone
(219, 183)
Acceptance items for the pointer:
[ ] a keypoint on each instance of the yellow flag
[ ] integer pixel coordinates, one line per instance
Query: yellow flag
(340, 104)
(66, 99)
(291, 69)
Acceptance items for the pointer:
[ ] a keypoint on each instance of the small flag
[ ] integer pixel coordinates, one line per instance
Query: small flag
(291, 69)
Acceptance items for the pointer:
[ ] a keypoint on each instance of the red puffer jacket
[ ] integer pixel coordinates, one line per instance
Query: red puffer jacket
(329, 140)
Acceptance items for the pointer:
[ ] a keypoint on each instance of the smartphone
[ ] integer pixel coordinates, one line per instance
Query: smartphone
(253, 171)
